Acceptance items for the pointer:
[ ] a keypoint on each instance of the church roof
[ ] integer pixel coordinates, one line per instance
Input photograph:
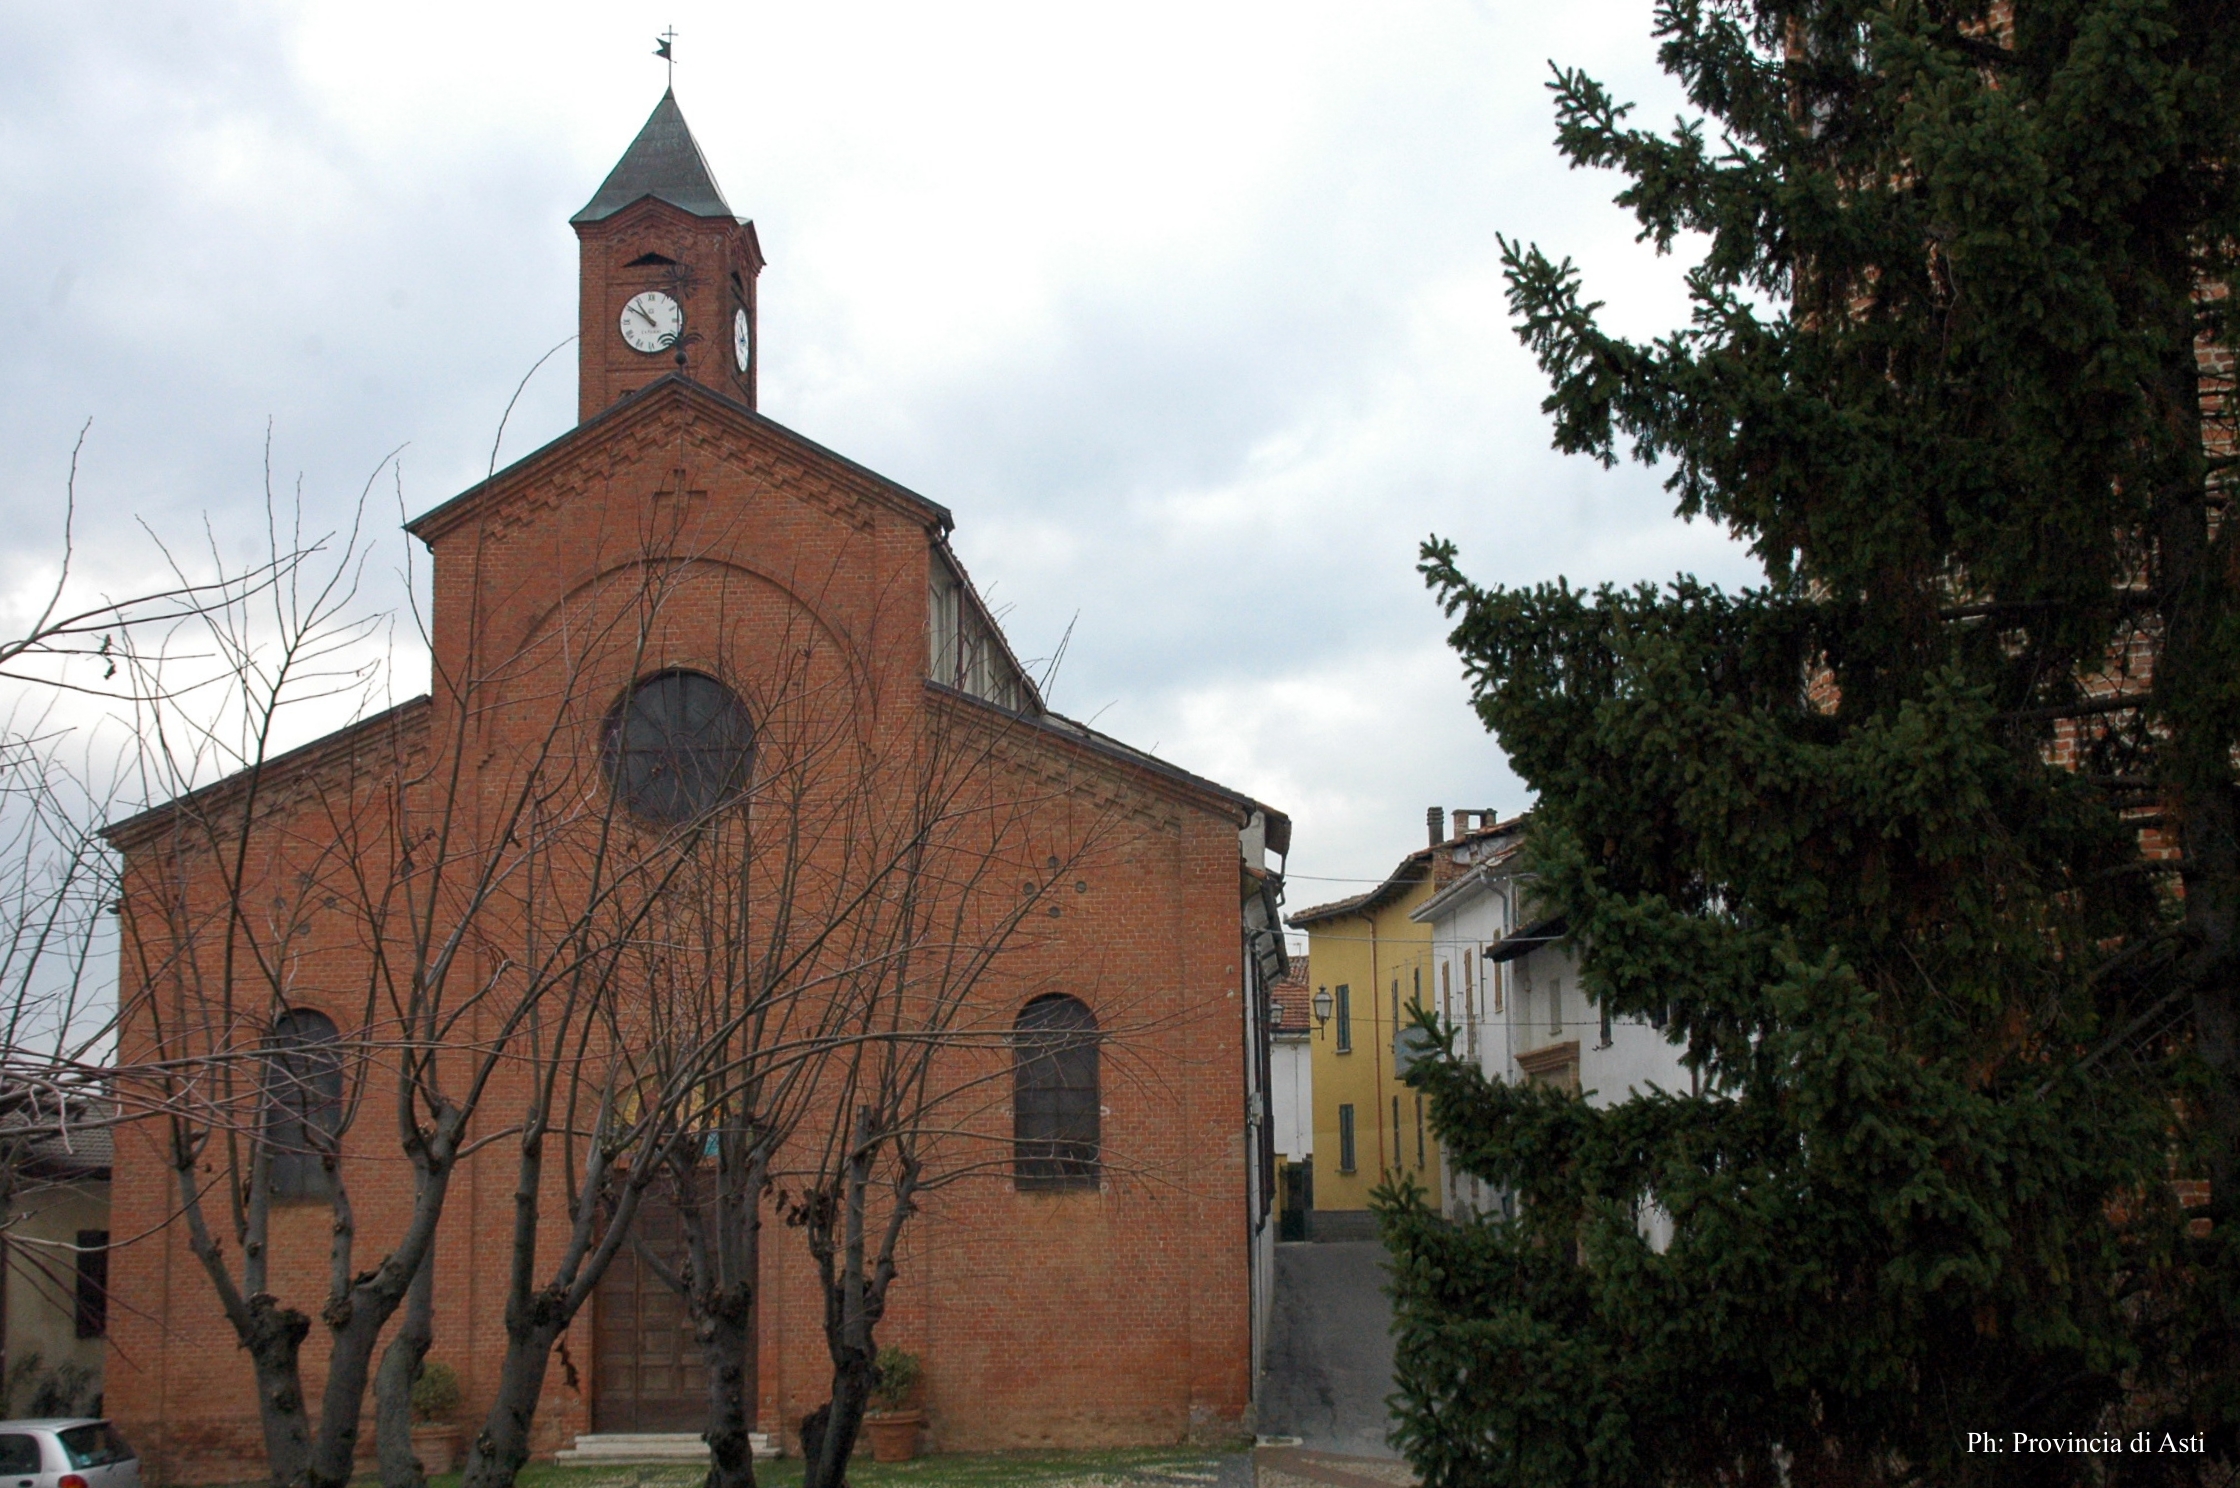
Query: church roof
(664, 161)
(405, 719)
(1079, 734)
(432, 523)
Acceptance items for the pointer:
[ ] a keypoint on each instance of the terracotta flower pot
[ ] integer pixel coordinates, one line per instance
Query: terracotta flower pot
(438, 1445)
(894, 1434)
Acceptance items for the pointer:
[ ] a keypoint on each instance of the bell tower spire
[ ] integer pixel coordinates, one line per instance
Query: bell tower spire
(668, 273)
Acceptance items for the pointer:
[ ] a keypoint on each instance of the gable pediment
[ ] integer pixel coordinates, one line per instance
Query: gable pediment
(646, 433)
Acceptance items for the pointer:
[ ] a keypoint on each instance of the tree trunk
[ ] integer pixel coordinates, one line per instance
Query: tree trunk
(855, 1299)
(356, 1312)
(270, 1333)
(274, 1338)
(725, 1251)
(851, 1393)
(536, 1316)
(501, 1448)
(725, 1322)
(812, 1446)
(400, 1370)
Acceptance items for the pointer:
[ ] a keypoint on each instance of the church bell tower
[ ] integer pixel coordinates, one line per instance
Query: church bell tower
(668, 274)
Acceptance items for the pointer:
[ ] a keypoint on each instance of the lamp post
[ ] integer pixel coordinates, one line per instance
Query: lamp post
(1322, 1006)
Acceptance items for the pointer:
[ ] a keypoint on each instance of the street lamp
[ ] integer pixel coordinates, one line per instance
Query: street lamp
(1322, 1005)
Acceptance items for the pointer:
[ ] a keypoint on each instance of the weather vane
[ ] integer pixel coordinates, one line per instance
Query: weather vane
(664, 47)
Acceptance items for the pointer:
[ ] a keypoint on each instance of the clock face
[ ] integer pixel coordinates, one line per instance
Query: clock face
(652, 321)
(742, 344)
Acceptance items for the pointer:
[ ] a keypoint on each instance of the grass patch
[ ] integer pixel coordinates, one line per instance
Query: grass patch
(1181, 1467)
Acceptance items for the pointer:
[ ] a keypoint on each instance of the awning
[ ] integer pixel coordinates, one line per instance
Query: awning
(1524, 942)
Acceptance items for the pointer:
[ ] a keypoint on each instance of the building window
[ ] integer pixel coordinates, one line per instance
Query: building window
(1345, 1140)
(1469, 1006)
(1419, 1132)
(1605, 1025)
(678, 747)
(1399, 1153)
(1055, 1117)
(1555, 1004)
(1345, 1025)
(1556, 1067)
(302, 1104)
(93, 1283)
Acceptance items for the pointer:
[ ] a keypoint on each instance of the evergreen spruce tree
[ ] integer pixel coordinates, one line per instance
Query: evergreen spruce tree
(1926, 849)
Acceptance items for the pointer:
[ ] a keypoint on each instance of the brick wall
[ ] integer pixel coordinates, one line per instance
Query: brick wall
(673, 532)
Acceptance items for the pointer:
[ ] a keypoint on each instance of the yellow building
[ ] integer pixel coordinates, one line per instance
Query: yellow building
(54, 1266)
(1370, 961)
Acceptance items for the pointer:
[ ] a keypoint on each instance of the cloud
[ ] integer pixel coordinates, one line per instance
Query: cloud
(1192, 313)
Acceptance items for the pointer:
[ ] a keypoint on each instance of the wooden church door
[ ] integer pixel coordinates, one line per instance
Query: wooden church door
(649, 1375)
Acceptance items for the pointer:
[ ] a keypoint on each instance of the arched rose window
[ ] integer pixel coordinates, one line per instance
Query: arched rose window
(679, 746)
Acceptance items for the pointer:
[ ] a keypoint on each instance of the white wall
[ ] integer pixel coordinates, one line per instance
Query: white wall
(1636, 1058)
(1291, 1101)
(1514, 1011)
(1463, 995)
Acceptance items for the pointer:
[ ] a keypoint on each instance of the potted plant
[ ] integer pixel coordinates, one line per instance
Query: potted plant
(436, 1438)
(893, 1419)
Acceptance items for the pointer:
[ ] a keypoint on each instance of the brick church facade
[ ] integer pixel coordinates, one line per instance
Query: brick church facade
(678, 539)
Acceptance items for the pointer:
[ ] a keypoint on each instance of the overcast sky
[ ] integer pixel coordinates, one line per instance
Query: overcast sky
(1192, 314)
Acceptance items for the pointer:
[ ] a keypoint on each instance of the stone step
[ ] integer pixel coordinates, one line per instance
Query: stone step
(651, 1446)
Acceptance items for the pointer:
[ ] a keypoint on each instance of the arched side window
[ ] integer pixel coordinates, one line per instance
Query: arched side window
(1055, 1123)
(678, 746)
(302, 1103)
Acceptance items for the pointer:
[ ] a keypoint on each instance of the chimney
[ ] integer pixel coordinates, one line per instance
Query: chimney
(1435, 821)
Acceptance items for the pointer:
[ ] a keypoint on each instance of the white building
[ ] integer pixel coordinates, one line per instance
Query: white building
(1507, 978)
(1291, 1077)
(1291, 1095)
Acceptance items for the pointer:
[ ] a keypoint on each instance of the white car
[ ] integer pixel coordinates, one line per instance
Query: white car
(70, 1452)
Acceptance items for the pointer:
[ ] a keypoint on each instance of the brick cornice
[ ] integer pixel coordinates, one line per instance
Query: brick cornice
(650, 404)
(1119, 760)
(399, 723)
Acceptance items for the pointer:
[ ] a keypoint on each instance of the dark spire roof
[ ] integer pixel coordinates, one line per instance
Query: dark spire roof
(663, 161)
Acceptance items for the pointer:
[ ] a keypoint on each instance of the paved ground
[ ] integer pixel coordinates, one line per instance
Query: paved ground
(1330, 1349)
(1295, 1467)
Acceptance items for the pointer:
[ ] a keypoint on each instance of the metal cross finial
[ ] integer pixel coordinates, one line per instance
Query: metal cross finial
(664, 47)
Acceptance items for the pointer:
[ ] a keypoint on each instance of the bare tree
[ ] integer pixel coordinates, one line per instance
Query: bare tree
(354, 915)
(399, 906)
(744, 973)
(222, 894)
(916, 1092)
(827, 934)
(620, 929)
(58, 878)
